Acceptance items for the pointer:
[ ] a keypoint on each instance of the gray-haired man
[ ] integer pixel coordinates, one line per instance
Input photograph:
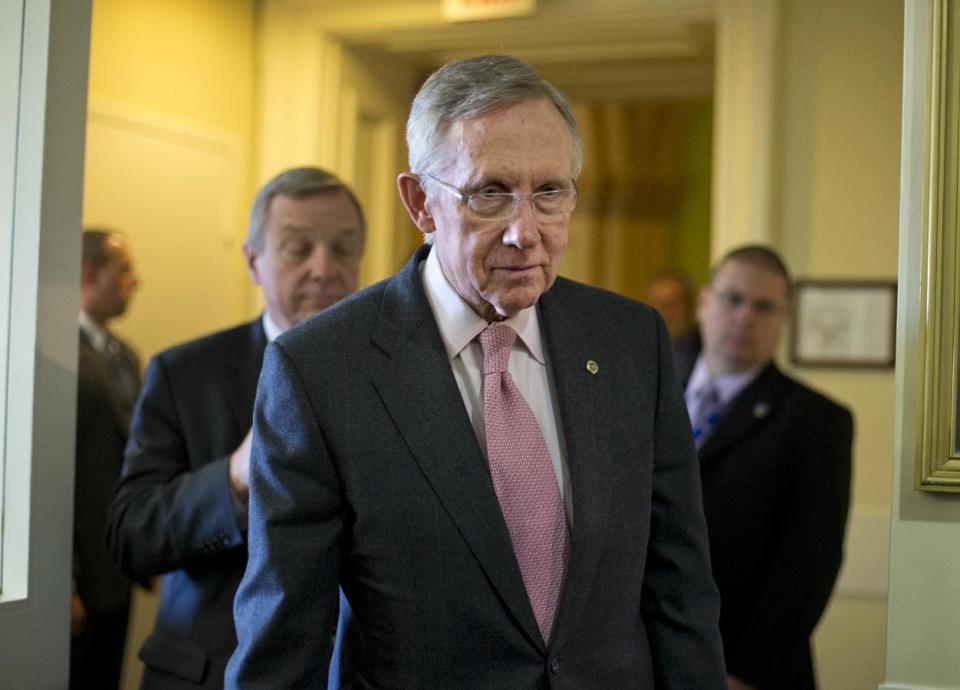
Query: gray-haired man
(494, 463)
(181, 507)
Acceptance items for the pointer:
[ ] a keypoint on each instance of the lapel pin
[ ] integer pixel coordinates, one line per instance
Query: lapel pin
(592, 367)
(761, 410)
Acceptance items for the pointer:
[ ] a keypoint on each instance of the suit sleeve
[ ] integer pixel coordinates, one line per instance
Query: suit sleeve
(809, 547)
(287, 602)
(169, 509)
(681, 605)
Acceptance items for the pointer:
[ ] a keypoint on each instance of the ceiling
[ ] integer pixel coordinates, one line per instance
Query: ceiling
(591, 49)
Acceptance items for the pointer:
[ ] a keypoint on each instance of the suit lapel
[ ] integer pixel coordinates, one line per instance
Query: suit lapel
(580, 397)
(421, 395)
(752, 407)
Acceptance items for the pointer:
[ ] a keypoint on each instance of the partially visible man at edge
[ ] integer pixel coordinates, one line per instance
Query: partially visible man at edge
(494, 463)
(108, 381)
(181, 508)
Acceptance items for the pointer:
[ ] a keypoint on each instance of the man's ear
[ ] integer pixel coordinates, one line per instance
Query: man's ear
(415, 201)
(250, 257)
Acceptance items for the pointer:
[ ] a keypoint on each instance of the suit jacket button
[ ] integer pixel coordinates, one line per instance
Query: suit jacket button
(555, 666)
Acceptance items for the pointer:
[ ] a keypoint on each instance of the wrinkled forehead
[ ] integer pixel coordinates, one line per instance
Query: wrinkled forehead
(527, 137)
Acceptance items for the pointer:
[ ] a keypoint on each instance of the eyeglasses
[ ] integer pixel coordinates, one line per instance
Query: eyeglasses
(548, 205)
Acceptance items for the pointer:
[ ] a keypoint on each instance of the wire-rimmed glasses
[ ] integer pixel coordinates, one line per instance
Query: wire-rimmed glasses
(548, 205)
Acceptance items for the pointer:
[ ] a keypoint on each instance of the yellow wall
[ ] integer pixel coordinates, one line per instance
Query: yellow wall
(350, 110)
(690, 241)
(834, 205)
(168, 160)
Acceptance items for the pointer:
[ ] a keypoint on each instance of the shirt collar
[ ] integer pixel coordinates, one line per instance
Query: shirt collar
(270, 328)
(459, 324)
(98, 335)
(728, 386)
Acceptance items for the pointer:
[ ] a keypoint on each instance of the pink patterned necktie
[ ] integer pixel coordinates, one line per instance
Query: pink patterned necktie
(524, 480)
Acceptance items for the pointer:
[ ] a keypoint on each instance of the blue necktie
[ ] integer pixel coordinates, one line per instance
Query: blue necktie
(709, 410)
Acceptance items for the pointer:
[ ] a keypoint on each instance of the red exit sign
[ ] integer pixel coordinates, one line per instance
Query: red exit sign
(467, 10)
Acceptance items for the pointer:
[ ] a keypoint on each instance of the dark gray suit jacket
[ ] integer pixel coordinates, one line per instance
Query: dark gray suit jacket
(365, 468)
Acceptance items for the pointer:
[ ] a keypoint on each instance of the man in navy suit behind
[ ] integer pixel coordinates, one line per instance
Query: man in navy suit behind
(375, 463)
(181, 508)
(775, 466)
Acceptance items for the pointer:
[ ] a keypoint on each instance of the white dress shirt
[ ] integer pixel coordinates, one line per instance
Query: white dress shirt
(270, 328)
(459, 327)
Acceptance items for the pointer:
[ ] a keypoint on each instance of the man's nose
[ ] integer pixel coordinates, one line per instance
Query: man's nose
(523, 230)
(322, 262)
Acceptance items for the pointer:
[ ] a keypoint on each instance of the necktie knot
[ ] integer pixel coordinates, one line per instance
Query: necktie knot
(496, 340)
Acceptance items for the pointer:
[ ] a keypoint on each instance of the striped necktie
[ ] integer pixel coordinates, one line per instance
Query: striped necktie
(708, 412)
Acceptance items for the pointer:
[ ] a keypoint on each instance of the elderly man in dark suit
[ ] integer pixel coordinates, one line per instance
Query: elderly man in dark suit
(775, 466)
(494, 463)
(108, 379)
(181, 508)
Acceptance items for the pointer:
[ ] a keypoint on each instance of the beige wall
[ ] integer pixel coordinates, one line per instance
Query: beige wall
(169, 135)
(834, 192)
(349, 115)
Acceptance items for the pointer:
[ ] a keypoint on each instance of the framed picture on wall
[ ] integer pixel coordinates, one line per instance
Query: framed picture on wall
(844, 323)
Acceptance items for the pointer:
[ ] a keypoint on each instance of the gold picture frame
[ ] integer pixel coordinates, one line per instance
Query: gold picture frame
(938, 336)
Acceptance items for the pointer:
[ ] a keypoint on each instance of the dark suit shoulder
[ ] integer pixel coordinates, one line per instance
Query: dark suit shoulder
(340, 326)
(566, 289)
(362, 307)
(215, 346)
(811, 399)
(604, 318)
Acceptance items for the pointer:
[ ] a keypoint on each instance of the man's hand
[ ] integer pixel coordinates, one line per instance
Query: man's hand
(736, 684)
(78, 615)
(240, 468)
